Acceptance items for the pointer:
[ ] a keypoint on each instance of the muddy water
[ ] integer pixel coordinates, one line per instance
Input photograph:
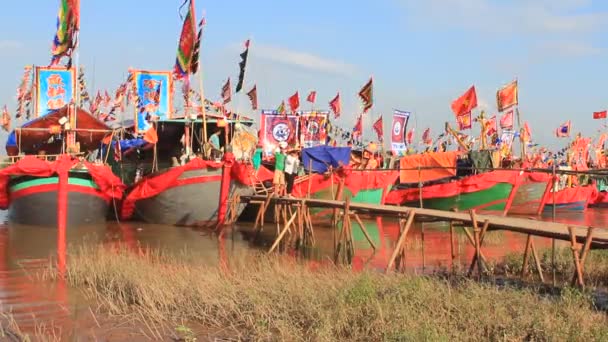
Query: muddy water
(26, 252)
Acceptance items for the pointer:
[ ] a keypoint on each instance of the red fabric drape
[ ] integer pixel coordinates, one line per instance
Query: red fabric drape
(465, 185)
(354, 181)
(587, 193)
(109, 185)
(154, 185)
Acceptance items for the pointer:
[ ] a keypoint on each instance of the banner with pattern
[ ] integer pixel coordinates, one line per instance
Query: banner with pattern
(55, 88)
(278, 128)
(313, 125)
(154, 97)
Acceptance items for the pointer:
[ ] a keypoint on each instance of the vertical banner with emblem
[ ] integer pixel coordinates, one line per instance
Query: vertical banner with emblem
(55, 88)
(155, 97)
(278, 128)
(400, 119)
(313, 127)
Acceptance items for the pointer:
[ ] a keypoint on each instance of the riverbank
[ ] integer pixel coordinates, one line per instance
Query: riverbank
(264, 297)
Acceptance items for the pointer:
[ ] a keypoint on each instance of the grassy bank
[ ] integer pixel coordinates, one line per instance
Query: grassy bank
(273, 298)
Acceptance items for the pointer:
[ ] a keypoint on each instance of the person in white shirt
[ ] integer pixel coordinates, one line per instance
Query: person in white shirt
(292, 162)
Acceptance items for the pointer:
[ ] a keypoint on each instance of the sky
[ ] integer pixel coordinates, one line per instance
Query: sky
(422, 54)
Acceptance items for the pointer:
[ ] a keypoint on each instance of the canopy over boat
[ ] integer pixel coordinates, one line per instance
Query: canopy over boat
(39, 134)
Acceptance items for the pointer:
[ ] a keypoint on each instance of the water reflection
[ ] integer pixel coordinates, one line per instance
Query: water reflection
(26, 252)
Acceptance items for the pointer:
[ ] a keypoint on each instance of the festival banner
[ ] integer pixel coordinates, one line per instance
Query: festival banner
(277, 128)
(55, 88)
(464, 121)
(154, 91)
(400, 120)
(313, 128)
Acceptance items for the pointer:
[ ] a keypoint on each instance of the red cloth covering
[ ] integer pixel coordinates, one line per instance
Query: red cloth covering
(354, 181)
(465, 185)
(109, 185)
(157, 183)
(433, 166)
(243, 173)
(575, 194)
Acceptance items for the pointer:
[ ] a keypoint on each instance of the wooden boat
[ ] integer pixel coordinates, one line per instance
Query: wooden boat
(334, 177)
(192, 194)
(505, 191)
(576, 198)
(29, 187)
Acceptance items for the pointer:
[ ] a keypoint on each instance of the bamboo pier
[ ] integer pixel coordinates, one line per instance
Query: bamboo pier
(294, 213)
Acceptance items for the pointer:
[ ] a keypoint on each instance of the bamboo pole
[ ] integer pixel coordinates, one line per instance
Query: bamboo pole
(537, 262)
(524, 267)
(452, 244)
(577, 264)
(476, 260)
(402, 239)
(282, 234)
(584, 252)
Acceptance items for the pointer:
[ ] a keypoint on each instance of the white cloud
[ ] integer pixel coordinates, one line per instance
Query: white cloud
(302, 60)
(522, 16)
(568, 49)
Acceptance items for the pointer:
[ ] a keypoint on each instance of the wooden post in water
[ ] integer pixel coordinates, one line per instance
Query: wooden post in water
(421, 223)
(402, 239)
(577, 262)
(452, 244)
(553, 266)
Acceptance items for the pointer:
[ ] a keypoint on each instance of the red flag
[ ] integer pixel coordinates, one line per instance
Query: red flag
(312, 96)
(358, 129)
(367, 95)
(253, 96)
(491, 126)
(465, 103)
(336, 106)
(107, 99)
(426, 137)
(526, 133)
(506, 120)
(464, 121)
(294, 102)
(6, 119)
(226, 92)
(379, 128)
(600, 115)
(564, 130)
(506, 96)
(409, 138)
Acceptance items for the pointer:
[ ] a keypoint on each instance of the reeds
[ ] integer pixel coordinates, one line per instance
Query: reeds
(275, 298)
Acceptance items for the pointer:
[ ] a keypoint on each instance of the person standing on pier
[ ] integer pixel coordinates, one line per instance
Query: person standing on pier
(292, 162)
(279, 169)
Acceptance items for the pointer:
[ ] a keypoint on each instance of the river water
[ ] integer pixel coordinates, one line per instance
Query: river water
(26, 252)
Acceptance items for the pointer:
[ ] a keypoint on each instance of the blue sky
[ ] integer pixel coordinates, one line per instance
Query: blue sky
(422, 54)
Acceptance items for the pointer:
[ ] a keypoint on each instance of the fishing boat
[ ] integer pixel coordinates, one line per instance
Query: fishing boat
(31, 183)
(432, 180)
(331, 176)
(185, 189)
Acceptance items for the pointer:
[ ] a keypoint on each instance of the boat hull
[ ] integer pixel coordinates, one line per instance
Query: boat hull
(506, 192)
(34, 201)
(493, 198)
(193, 201)
(571, 199)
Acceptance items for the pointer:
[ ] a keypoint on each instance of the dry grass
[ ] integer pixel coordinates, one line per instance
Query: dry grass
(595, 267)
(273, 298)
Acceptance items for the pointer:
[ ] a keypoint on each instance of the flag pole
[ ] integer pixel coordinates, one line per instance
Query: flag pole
(202, 93)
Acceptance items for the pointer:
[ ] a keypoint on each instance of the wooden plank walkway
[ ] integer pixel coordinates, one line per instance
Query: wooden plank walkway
(294, 213)
(552, 230)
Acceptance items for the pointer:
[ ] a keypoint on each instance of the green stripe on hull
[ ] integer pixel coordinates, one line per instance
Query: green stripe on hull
(52, 180)
(498, 192)
(371, 196)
